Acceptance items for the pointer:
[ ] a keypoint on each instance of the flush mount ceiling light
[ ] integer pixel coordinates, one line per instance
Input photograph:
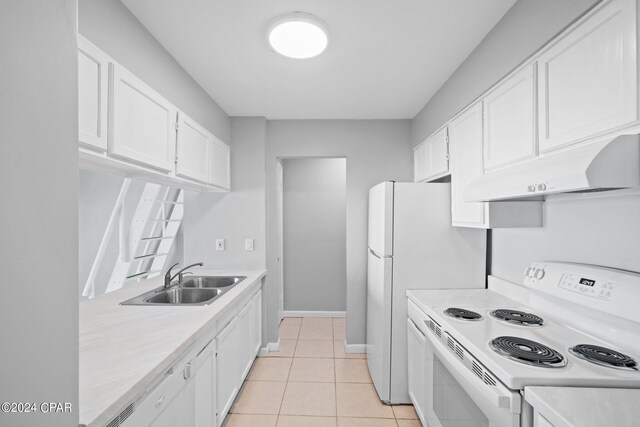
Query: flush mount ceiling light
(298, 35)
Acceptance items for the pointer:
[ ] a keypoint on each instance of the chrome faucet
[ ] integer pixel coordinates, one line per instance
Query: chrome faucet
(168, 277)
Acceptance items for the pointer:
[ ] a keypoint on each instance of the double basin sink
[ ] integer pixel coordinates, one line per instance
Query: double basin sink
(193, 290)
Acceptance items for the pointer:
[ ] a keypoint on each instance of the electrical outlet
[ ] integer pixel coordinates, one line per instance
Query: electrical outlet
(219, 244)
(248, 244)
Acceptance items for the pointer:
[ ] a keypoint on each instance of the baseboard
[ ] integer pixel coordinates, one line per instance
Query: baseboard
(354, 348)
(271, 346)
(291, 313)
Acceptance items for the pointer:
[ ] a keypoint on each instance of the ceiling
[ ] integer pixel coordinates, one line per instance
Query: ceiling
(385, 58)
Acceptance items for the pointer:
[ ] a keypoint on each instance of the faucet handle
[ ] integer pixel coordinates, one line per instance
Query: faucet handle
(168, 273)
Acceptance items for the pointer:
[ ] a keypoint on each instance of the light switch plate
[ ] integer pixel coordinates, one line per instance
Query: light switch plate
(248, 244)
(219, 244)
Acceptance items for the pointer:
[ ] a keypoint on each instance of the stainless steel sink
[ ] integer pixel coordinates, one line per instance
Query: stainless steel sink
(183, 296)
(210, 281)
(192, 291)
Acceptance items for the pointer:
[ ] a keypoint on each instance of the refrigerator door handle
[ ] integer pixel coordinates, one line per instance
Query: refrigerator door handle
(375, 254)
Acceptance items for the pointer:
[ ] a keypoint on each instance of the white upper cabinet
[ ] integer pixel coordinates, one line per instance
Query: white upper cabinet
(221, 164)
(420, 162)
(193, 150)
(431, 158)
(465, 135)
(510, 121)
(438, 155)
(142, 123)
(93, 96)
(588, 79)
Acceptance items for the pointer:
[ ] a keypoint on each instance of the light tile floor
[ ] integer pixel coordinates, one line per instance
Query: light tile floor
(311, 382)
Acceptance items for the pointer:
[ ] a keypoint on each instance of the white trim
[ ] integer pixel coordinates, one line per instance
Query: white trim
(290, 313)
(271, 346)
(354, 348)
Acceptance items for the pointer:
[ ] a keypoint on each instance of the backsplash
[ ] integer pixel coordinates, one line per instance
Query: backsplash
(600, 229)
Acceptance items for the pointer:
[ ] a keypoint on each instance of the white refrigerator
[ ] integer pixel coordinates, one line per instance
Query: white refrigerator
(412, 245)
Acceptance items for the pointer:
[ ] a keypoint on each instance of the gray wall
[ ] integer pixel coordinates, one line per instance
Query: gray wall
(601, 230)
(315, 271)
(233, 216)
(525, 28)
(39, 214)
(376, 150)
(111, 27)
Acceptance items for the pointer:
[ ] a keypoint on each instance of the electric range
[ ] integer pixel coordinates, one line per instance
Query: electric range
(566, 325)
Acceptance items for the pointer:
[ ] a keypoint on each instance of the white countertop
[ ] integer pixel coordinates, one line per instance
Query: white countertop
(586, 407)
(124, 348)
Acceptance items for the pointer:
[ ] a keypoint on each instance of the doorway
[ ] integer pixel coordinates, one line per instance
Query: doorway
(312, 247)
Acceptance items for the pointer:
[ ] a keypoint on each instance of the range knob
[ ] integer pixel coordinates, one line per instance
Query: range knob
(531, 188)
(542, 187)
(539, 273)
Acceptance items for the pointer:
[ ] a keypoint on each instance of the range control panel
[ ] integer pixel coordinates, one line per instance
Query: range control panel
(587, 286)
(612, 291)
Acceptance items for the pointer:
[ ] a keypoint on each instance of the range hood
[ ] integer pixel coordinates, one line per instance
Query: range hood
(604, 165)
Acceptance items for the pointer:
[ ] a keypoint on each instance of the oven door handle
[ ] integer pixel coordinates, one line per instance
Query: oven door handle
(494, 397)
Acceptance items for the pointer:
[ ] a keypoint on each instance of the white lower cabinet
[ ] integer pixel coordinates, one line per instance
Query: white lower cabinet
(236, 350)
(205, 385)
(245, 346)
(227, 378)
(256, 323)
(416, 368)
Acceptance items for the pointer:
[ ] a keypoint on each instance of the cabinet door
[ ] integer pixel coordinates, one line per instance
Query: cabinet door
(221, 164)
(180, 411)
(587, 81)
(227, 379)
(193, 150)
(420, 162)
(465, 139)
(416, 369)
(245, 346)
(142, 125)
(510, 121)
(256, 323)
(93, 84)
(205, 386)
(437, 155)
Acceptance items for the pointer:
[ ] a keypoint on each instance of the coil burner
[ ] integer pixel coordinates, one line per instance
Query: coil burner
(604, 356)
(462, 314)
(529, 352)
(517, 317)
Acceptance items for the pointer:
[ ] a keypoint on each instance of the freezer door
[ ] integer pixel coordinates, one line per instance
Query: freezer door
(379, 286)
(381, 219)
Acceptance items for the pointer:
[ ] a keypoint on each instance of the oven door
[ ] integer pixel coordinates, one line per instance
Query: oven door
(461, 394)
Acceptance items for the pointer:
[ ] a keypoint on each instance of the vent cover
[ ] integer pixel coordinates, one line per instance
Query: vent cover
(477, 370)
(123, 416)
(434, 327)
(484, 376)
